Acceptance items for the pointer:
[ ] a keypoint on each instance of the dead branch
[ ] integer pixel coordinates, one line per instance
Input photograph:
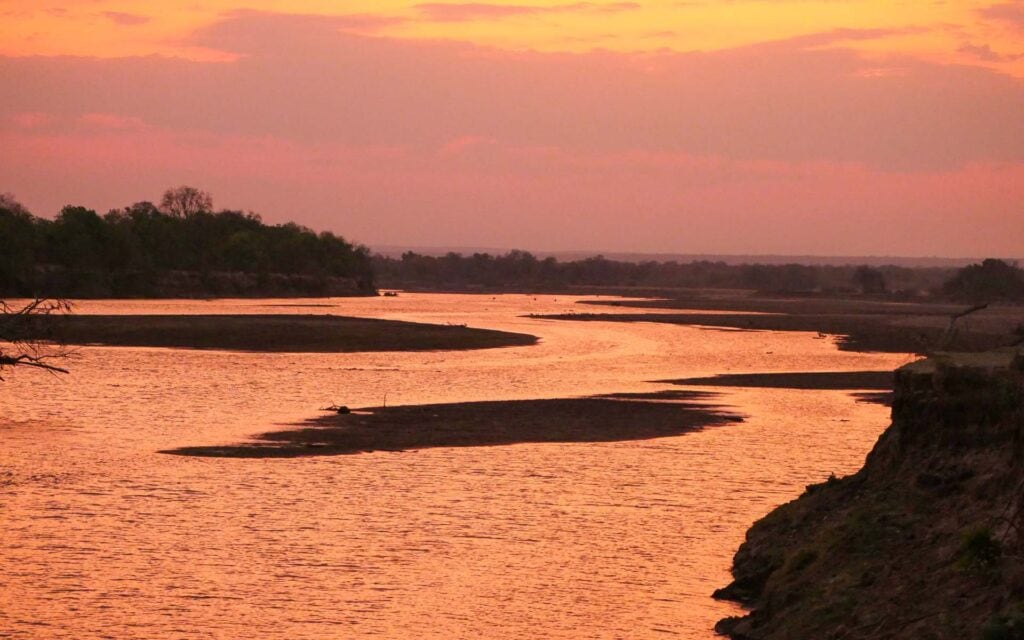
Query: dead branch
(951, 329)
(25, 335)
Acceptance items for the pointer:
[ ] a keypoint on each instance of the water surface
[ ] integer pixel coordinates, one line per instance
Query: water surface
(105, 537)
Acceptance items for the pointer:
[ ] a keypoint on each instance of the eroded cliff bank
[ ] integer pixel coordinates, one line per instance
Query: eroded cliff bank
(925, 541)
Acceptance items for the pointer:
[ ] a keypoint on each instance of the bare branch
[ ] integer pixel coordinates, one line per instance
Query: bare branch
(951, 329)
(26, 337)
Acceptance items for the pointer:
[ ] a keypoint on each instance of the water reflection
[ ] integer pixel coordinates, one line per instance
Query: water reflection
(103, 537)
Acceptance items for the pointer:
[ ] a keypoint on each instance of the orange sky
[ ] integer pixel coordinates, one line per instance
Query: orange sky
(542, 124)
(968, 32)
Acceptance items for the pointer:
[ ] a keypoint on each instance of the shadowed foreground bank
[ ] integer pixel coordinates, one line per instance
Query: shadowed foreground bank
(925, 541)
(469, 424)
(273, 333)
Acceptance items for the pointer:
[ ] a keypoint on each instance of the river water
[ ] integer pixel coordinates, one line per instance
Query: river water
(104, 537)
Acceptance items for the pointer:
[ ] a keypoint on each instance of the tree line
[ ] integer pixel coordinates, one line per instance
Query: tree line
(522, 271)
(181, 247)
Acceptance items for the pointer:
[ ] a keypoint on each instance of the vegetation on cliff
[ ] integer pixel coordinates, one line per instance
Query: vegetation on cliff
(925, 541)
(180, 248)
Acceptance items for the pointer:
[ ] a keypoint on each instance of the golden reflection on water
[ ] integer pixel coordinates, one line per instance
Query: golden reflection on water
(104, 537)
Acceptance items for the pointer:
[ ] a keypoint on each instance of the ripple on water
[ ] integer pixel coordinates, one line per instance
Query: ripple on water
(105, 538)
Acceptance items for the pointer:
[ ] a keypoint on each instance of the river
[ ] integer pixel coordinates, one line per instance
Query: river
(104, 537)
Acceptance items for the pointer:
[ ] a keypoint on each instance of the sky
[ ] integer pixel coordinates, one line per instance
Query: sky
(819, 127)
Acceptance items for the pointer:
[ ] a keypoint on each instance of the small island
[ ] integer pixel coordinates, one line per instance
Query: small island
(613, 417)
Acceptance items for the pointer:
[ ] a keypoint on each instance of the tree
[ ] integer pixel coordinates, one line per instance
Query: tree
(11, 204)
(991, 280)
(17, 246)
(26, 335)
(186, 202)
(869, 280)
(78, 239)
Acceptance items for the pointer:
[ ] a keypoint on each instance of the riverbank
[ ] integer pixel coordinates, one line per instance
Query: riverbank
(860, 324)
(924, 542)
(272, 333)
(474, 424)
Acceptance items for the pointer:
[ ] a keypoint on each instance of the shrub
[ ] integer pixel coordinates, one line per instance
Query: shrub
(979, 550)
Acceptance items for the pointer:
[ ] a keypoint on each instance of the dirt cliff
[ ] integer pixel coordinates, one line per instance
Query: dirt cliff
(924, 542)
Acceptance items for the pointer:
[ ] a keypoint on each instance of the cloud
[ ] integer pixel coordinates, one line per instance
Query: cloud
(467, 11)
(1011, 13)
(803, 144)
(92, 122)
(985, 52)
(300, 78)
(125, 19)
(248, 31)
(536, 197)
(106, 121)
(29, 120)
(829, 38)
(467, 144)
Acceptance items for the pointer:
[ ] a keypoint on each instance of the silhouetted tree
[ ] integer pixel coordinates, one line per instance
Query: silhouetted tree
(78, 239)
(989, 281)
(181, 249)
(9, 203)
(18, 237)
(185, 202)
(869, 280)
(25, 339)
(519, 270)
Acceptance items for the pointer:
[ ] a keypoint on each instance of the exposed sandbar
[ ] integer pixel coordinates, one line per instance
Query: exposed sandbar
(473, 424)
(274, 333)
(835, 380)
(870, 386)
(862, 325)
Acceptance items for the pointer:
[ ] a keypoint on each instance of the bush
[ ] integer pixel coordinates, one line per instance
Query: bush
(979, 550)
(991, 280)
(1008, 625)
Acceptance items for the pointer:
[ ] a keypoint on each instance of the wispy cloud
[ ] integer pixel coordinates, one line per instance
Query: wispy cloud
(247, 31)
(832, 37)
(307, 79)
(125, 19)
(986, 53)
(466, 11)
(1009, 12)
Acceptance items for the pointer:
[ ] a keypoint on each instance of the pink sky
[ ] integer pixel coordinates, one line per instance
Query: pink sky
(802, 145)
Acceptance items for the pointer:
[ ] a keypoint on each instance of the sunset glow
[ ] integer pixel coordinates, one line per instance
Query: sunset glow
(539, 124)
(964, 32)
(506, 319)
